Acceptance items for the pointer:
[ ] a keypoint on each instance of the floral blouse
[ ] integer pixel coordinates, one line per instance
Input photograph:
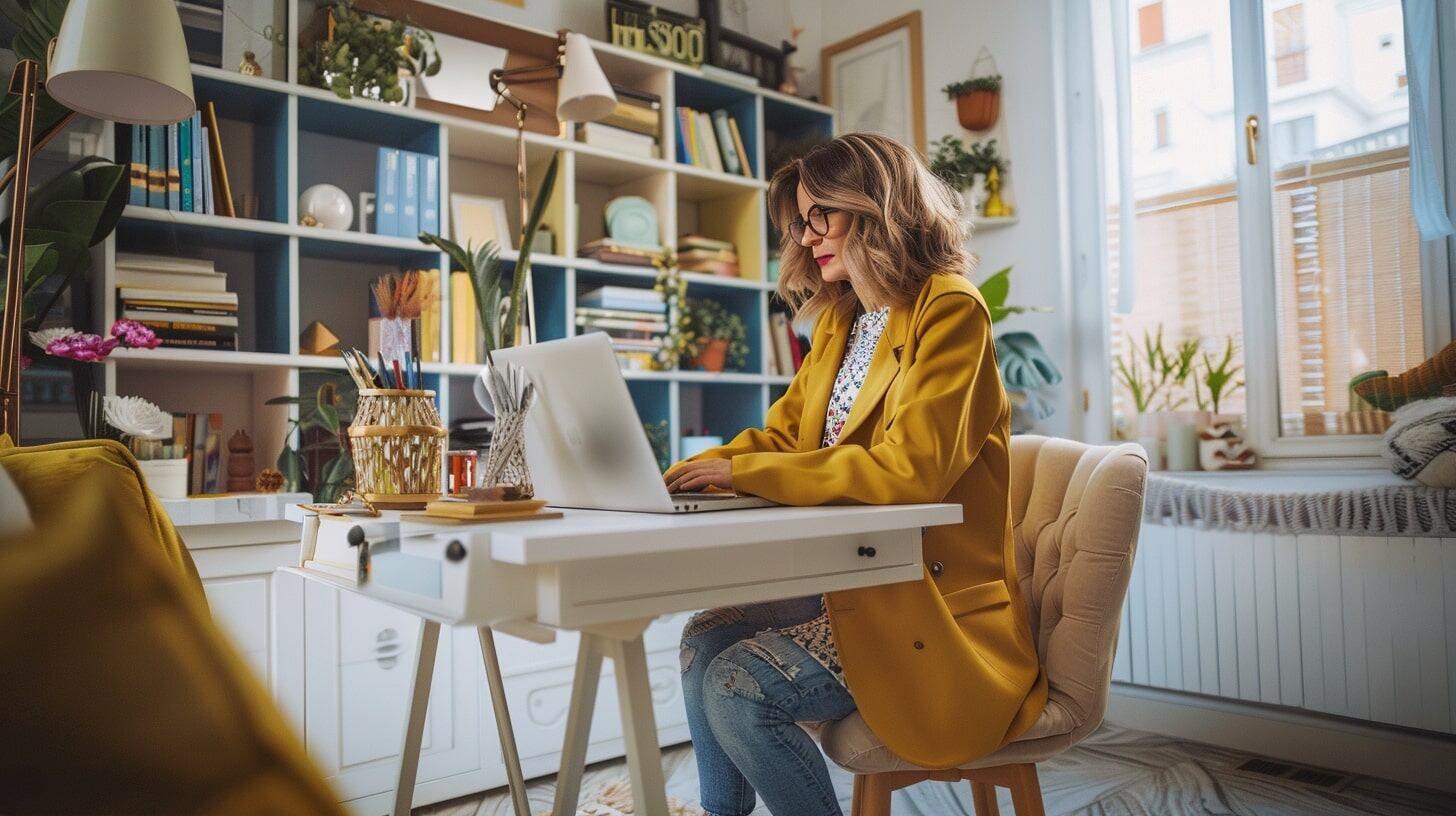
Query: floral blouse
(815, 636)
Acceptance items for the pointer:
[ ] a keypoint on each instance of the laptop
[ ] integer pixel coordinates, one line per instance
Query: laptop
(585, 443)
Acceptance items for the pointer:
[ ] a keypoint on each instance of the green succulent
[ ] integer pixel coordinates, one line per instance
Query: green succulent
(986, 83)
(366, 55)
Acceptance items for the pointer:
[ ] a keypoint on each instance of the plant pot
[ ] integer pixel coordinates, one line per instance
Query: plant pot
(978, 110)
(711, 356)
(166, 478)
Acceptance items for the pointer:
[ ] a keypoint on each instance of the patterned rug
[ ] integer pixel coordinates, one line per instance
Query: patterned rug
(1114, 772)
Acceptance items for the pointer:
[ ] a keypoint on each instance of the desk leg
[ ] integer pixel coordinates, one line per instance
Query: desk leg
(414, 724)
(639, 726)
(578, 724)
(503, 728)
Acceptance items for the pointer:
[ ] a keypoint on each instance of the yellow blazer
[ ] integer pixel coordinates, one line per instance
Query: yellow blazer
(943, 669)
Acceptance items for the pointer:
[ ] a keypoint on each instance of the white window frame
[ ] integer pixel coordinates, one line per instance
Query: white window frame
(1092, 324)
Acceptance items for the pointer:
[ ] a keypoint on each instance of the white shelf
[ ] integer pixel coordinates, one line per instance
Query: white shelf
(983, 223)
(260, 227)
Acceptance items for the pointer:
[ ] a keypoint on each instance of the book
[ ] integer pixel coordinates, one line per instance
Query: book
(228, 343)
(731, 163)
(780, 323)
(222, 191)
(614, 323)
(137, 167)
(154, 293)
(686, 150)
(696, 255)
(174, 169)
(165, 263)
(184, 160)
(159, 309)
(623, 297)
(464, 328)
(618, 314)
(430, 194)
(430, 316)
(738, 145)
(181, 321)
(635, 360)
(601, 134)
(693, 240)
(199, 165)
(638, 120)
(726, 269)
(635, 96)
(795, 348)
(386, 197)
(197, 470)
(708, 143)
(409, 195)
(156, 167)
(212, 481)
(209, 204)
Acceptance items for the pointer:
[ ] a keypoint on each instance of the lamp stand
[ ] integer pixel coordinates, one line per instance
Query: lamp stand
(24, 82)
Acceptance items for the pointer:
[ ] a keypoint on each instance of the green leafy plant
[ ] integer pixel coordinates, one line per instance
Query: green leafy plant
(1026, 368)
(1218, 378)
(986, 83)
(36, 22)
(958, 165)
(709, 320)
(657, 437)
(673, 287)
(317, 458)
(1152, 369)
(366, 55)
(996, 289)
(483, 265)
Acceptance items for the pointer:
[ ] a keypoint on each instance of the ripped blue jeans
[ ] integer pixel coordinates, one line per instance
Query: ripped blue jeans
(746, 685)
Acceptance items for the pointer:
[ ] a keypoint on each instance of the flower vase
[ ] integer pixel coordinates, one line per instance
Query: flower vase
(390, 337)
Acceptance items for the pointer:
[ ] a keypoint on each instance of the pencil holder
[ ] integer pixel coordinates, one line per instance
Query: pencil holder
(399, 447)
(506, 463)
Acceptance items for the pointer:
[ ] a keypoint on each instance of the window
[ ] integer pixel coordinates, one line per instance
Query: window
(1150, 25)
(1289, 45)
(1341, 245)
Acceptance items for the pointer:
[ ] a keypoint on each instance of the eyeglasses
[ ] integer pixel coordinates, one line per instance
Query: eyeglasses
(818, 222)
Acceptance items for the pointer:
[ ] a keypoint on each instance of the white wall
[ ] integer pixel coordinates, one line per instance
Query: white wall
(1020, 36)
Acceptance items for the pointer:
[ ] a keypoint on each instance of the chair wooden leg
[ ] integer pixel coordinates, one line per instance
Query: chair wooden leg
(1026, 791)
(983, 796)
(872, 795)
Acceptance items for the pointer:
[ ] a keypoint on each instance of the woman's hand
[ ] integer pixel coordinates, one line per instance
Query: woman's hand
(698, 475)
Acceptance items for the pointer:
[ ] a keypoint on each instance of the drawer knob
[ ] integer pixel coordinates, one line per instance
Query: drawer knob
(455, 551)
(868, 552)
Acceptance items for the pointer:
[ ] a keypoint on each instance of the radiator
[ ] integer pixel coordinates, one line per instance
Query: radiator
(1356, 626)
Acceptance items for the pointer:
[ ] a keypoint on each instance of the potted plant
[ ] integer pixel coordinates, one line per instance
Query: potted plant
(321, 462)
(720, 335)
(363, 55)
(1026, 368)
(978, 101)
(966, 168)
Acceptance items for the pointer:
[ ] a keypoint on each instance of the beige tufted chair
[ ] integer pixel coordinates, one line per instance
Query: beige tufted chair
(1073, 567)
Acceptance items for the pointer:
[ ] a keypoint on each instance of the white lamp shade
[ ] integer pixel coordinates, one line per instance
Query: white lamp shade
(124, 61)
(584, 94)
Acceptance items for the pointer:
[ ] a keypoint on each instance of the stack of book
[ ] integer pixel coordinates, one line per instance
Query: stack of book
(608, 251)
(633, 127)
(171, 166)
(696, 253)
(635, 319)
(711, 140)
(787, 349)
(184, 300)
(406, 193)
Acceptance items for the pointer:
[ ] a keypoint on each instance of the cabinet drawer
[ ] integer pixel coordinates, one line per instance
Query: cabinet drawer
(240, 608)
(369, 630)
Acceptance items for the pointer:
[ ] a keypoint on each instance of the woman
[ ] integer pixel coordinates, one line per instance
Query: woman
(899, 401)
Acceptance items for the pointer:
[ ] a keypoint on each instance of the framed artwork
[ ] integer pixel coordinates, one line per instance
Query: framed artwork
(874, 81)
(478, 219)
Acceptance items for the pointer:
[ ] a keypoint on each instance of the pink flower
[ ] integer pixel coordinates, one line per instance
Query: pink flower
(134, 335)
(86, 348)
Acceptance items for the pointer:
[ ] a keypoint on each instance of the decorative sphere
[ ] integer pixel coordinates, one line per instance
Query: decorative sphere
(326, 205)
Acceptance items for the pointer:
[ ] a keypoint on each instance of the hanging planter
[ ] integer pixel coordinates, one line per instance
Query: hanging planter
(978, 99)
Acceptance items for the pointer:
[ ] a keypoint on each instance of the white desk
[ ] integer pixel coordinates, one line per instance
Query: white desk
(608, 575)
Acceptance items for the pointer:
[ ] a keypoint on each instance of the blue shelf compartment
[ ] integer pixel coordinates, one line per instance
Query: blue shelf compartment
(334, 278)
(653, 400)
(256, 263)
(255, 124)
(747, 304)
(551, 284)
(339, 144)
(707, 95)
(718, 408)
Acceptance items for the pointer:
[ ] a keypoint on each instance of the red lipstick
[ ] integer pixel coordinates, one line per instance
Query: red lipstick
(823, 260)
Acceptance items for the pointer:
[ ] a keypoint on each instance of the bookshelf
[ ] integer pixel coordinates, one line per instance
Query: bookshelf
(281, 137)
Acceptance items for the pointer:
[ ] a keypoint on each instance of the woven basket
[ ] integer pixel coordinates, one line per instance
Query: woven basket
(399, 447)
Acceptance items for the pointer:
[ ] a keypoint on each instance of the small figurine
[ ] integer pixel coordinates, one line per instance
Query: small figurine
(240, 463)
(790, 85)
(250, 66)
(994, 206)
(270, 480)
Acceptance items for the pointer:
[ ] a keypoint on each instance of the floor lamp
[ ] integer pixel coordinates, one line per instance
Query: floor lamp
(119, 60)
(583, 95)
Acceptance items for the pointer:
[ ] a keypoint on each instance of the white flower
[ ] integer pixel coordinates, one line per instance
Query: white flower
(138, 418)
(45, 337)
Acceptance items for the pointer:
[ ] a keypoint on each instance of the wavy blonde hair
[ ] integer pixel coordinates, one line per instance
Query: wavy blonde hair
(905, 225)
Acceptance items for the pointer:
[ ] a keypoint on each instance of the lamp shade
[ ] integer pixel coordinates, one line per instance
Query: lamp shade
(123, 61)
(584, 94)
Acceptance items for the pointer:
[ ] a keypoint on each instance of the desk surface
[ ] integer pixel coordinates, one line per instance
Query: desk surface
(589, 534)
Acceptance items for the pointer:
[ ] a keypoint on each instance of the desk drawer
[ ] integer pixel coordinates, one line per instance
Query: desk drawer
(608, 589)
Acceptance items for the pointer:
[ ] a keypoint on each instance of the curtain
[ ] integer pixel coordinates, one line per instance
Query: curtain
(1422, 73)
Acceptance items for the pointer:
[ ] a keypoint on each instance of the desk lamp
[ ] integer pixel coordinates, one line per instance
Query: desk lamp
(584, 95)
(120, 60)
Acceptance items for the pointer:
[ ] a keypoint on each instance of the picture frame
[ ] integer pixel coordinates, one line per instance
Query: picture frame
(864, 78)
(477, 219)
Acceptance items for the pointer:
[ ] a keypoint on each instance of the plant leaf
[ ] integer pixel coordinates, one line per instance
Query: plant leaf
(1024, 363)
(523, 258)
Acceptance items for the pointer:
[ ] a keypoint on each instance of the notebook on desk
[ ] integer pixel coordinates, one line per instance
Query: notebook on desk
(584, 441)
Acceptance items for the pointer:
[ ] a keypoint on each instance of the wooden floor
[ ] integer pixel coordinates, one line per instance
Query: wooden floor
(1115, 772)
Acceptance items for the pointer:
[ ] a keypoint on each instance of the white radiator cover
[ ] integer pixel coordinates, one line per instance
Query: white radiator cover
(1356, 626)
